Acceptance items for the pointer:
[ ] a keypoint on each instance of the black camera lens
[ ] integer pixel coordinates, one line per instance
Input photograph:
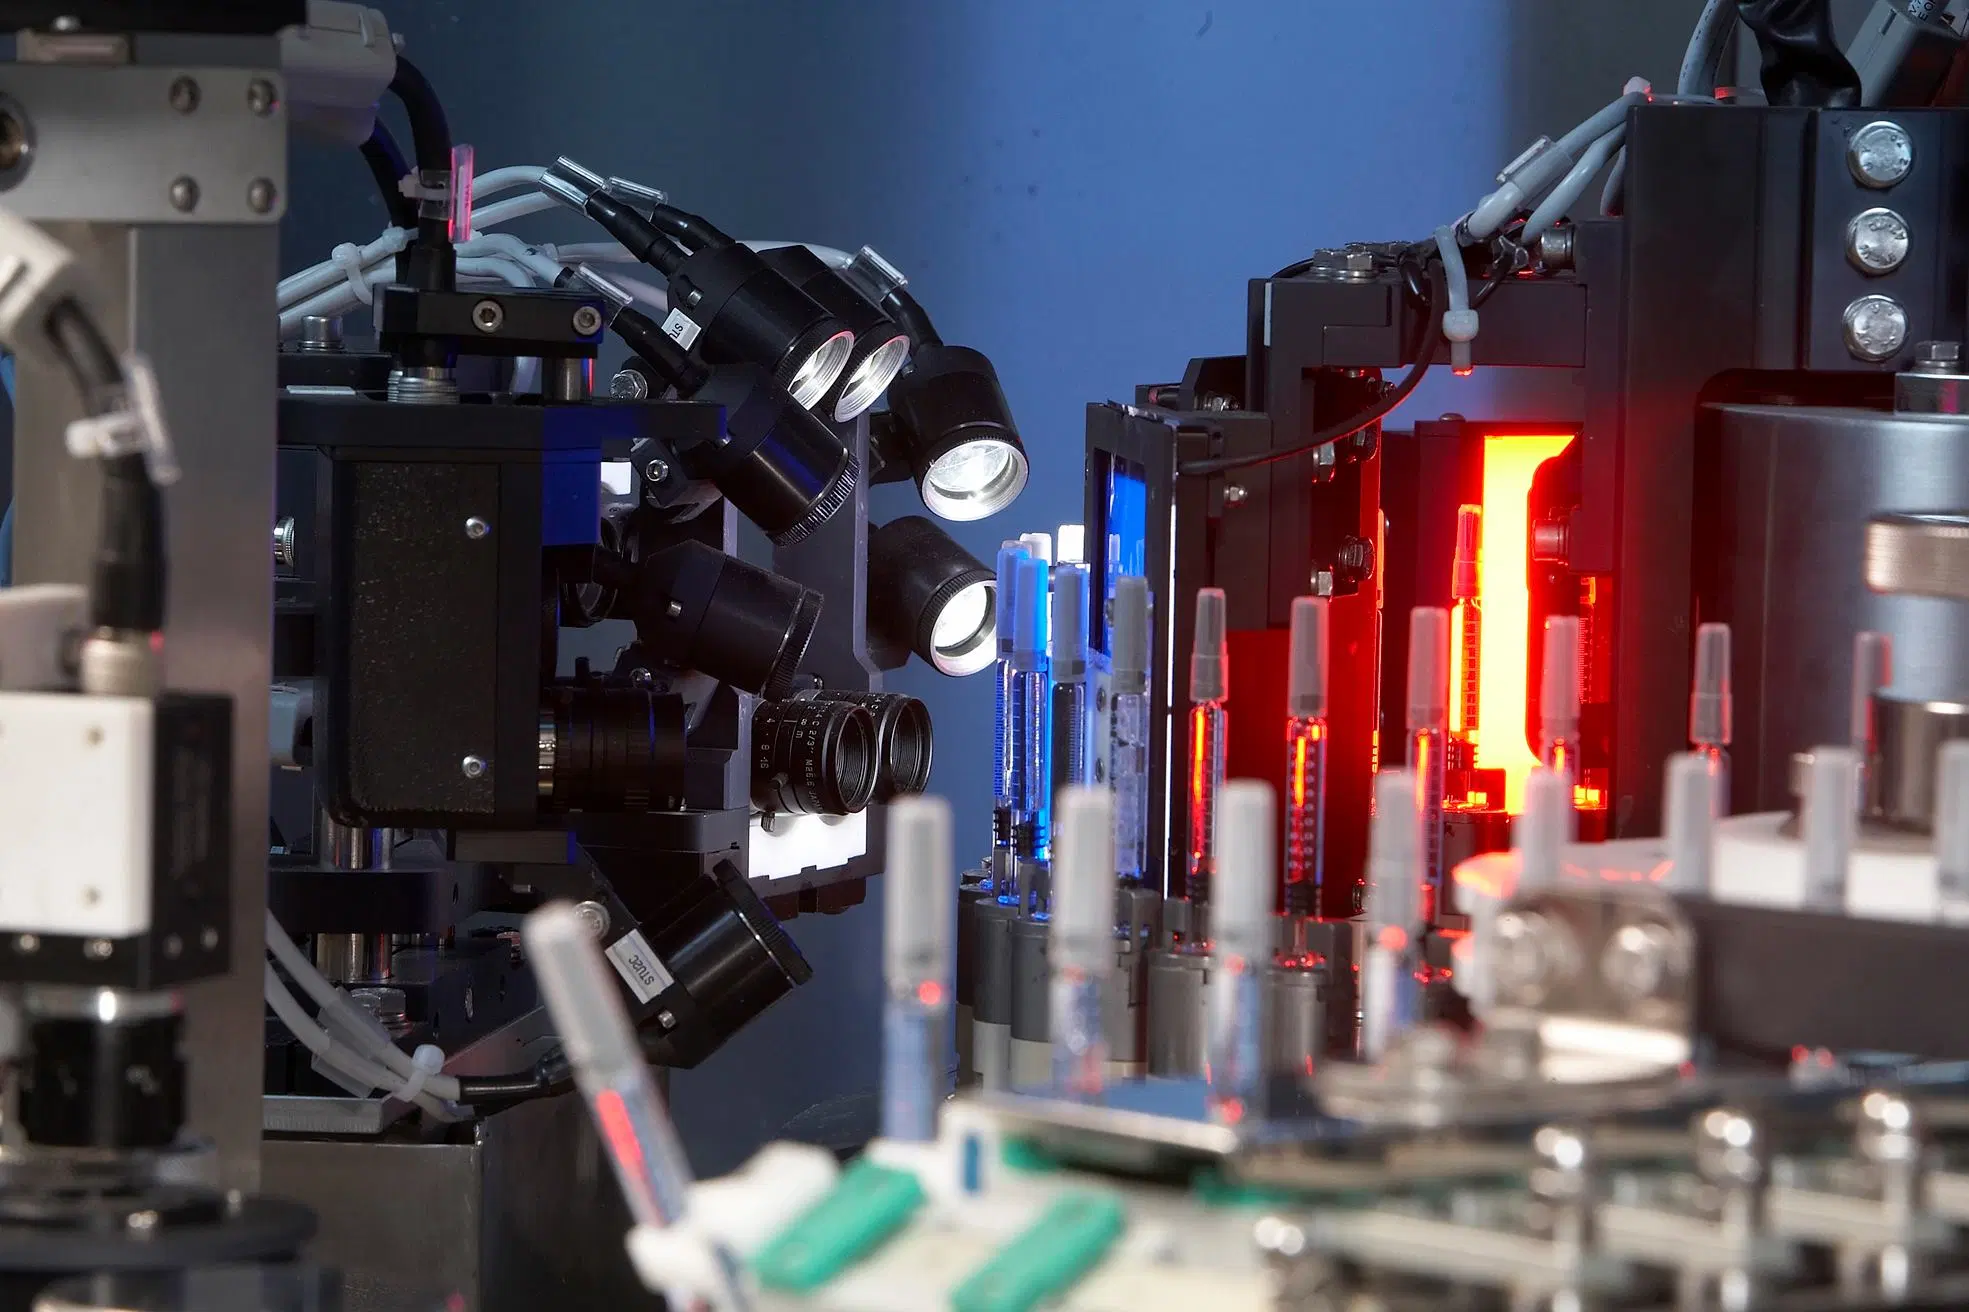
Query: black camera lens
(609, 748)
(903, 739)
(812, 757)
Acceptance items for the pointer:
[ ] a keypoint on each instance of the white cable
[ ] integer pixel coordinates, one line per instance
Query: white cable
(590, 252)
(340, 300)
(510, 178)
(326, 995)
(1459, 321)
(1562, 197)
(653, 297)
(1705, 50)
(542, 265)
(320, 1042)
(1613, 197)
(325, 275)
(505, 211)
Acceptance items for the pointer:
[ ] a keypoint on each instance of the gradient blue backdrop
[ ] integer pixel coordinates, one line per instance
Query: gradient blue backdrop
(1080, 189)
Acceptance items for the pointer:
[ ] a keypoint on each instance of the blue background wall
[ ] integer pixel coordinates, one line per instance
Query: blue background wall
(1078, 187)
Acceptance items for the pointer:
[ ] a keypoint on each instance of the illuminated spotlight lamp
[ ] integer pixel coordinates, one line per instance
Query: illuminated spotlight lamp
(720, 290)
(701, 609)
(949, 421)
(783, 469)
(881, 348)
(928, 595)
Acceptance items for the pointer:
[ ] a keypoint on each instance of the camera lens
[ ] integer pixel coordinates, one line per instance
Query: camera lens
(609, 749)
(812, 757)
(903, 738)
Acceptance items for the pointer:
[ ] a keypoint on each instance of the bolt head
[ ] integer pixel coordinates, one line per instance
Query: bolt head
(587, 320)
(260, 97)
(666, 1020)
(208, 939)
(184, 195)
(1880, 154)
(593, 917)
(1876, 328)
(1235, 494)
(142, 1222)
(261, 195)
(184, 95)
(488, 316)
(656, 470)
(1877, 241)
(628, 385)
(98, 949)
(477, 528)
(27, 944)
(473, 767)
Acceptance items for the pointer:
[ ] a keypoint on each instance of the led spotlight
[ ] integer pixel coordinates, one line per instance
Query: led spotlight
(928, 595)
(952, 418)
(750, 312)
(881, 348)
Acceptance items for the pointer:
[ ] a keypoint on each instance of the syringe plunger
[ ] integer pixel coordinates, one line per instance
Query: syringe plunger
(1009, 555)
(1394, 865)
(1083, 908)
(918, 944)
(1464, 568)
(1039, 544)
(1540, 834)
(1131, 634)
(1209, 658)
(1710, 702)
(1069, 637)
(1558, 703)
(1306, 661)
(1071, 544)
(1690, 821)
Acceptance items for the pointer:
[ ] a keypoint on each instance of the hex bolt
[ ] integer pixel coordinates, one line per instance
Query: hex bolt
(260, 97)
(488, 316)
(587, 320)
(628, 385)
(473, 767)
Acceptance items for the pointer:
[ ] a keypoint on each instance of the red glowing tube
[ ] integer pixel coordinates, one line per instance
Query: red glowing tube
(1209, 736)
(1305, 756)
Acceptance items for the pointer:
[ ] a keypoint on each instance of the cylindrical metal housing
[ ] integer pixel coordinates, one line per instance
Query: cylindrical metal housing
(1176, 987)
(1031, 1047)
(1784, 496)
(991, 1015)
(1900, 781)
(1295, 1017)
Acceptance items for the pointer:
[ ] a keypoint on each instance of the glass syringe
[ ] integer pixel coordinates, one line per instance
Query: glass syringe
(1209, 734)
(1241, 931)
(1305, 756)
(1390, 992)
(1081, 956)
(918, 957)
(1428, 740)
(1558, 703)
(1004, 759)
(1710, 707)
(1032, 688)
(631, 1122)
(1466, 621)
(1072, 763)
(1128, 749)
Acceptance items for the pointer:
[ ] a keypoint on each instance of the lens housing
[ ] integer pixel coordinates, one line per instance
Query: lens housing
(608, 747)
(730, 960)
(749, 312)
(812, 757)
(952, 415)
(904, 739)
(928, 595)
(881, 347)
(784, 469)
(700, 608)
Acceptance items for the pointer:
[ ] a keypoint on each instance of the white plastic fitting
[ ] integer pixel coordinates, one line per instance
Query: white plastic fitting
(337, 68)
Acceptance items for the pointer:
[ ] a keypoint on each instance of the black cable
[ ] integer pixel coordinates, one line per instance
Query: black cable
(430, 138)
(694, 230)
(1424, 352)
(642, 238)
(387, 166)
(646, 338)
(909, 316)
(550, 1075)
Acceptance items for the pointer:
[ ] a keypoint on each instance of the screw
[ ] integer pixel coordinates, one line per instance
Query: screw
(174, 947)
(260, 97)
(476, 528)
(628, 385)
(594, 917)
(98, 949)
(1100, 771)
(284, 542)
(468, 1004)
(27, 944)
(587, 320)
(1356, 557)
(666, 1020)
(1876, 327)
(1937, 357)
(94, 736)
(184, 95)
(208, 939)
(770, 822)
(656, 470)
(13, 142)
(1323, 583)
(1880, 154)
(694, 297)
(1235, 494)
(488, 315)
(673, 609)
(641, 677)
(142, 1222)
(473, 767)
(184, 195)
(260, 196)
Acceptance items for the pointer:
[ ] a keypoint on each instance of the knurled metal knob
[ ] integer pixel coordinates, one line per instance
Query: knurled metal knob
(1922, 555)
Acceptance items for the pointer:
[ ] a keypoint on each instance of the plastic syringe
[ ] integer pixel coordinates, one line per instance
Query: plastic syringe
(1305, 755)
(1712, 708)
(1004, 759)
(1241, 929)
(1128, 748)
(1390, 992)
(1209, 735)
(918, 957)
(1081, 956)
(1072, 763)
(1428, 739)
(634, 1128)
(1558, 703)
(1828, 821)
(1690, 810)
(1032, 691)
